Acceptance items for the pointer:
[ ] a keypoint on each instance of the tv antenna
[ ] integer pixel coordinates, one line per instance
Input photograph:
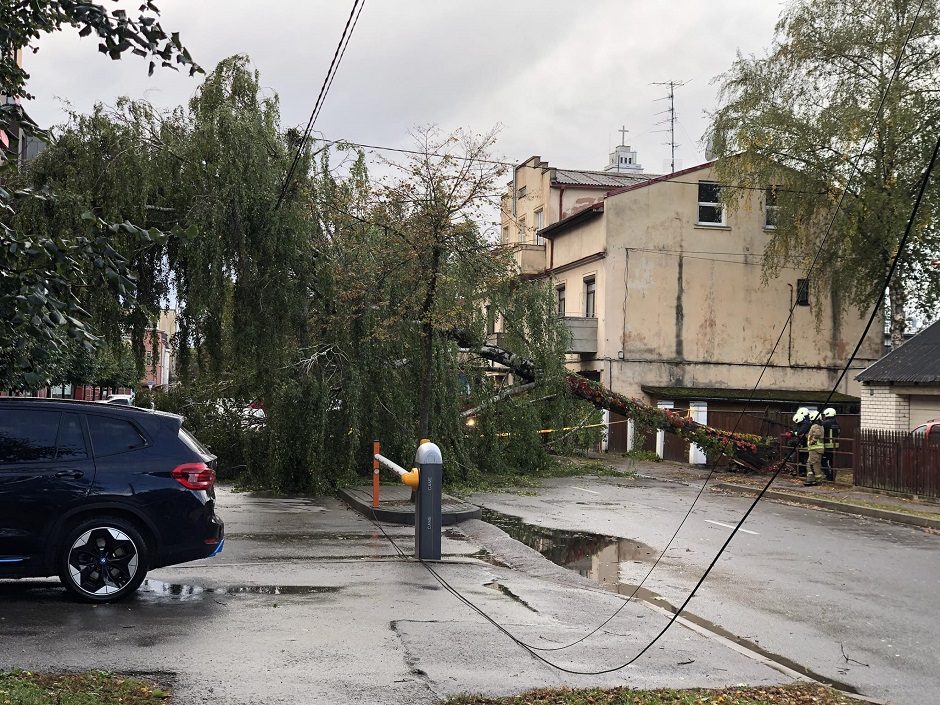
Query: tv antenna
(670, 118)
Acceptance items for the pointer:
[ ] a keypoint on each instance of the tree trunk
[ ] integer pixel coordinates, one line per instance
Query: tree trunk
(426, 396)
(896, 311)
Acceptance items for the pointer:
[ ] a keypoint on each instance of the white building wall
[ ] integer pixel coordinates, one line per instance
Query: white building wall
(884, 410)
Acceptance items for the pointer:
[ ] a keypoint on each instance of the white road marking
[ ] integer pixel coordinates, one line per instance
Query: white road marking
(731, 526)
(584, 490)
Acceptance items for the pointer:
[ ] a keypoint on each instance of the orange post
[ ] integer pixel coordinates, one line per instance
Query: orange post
(376, 449)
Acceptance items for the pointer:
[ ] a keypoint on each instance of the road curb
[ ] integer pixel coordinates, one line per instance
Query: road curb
(398, 511)
(835, 506)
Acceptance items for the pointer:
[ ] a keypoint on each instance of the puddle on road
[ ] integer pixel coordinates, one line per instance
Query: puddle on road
(598, 557)
(593, 556)
(179, 591)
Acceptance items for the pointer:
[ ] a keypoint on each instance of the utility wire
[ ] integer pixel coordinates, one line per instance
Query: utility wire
(782, 463)
(678, 612)
(760, 378)
(324, 89)
(639, 179)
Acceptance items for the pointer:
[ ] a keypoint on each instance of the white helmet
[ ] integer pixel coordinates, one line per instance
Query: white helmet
(800, 414)
(829, 412)
(814, 415)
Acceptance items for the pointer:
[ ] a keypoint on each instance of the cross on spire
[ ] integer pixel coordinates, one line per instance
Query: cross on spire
(623, 135)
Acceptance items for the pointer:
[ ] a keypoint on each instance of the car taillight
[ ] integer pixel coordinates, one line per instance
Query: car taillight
(194, 476)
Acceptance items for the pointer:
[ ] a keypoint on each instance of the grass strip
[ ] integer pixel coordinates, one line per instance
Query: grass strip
(795, 694)
(91, 688)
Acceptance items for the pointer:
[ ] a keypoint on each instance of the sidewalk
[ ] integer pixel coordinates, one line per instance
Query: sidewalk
(786, 488)
(396, 507)
(836, 497)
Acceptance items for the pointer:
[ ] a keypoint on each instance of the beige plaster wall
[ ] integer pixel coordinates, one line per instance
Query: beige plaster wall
(691, 299)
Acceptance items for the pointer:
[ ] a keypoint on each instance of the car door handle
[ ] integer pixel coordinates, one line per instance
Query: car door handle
(74, 474)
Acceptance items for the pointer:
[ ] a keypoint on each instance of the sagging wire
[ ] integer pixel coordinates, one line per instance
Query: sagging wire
(533, 650)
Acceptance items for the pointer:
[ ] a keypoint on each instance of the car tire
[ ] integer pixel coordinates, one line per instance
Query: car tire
(102, 559)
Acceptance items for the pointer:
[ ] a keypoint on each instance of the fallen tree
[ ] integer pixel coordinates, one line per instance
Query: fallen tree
(754, 452)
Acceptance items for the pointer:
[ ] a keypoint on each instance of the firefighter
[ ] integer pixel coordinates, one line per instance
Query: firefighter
(830, 441)
(814, 448)
(801, 426)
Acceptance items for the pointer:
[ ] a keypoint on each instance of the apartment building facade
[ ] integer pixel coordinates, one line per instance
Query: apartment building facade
(662, 288)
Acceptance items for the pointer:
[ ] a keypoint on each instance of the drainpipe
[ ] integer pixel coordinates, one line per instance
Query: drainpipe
(790, 327)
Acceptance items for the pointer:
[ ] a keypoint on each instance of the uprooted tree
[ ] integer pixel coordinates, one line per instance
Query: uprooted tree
(749, 450)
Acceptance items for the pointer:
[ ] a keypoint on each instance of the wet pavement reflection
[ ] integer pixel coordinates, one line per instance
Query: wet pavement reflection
(599, 557)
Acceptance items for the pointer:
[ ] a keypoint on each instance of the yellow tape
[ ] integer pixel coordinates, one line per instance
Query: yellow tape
(567, 428)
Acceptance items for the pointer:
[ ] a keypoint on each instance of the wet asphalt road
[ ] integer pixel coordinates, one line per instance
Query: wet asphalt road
(852, 599)
(310, 603)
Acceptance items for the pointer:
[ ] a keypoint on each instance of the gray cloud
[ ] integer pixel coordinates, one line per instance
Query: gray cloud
(560, 77)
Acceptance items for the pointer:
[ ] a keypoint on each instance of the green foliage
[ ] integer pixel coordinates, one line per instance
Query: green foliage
(48, 273)
(90, 688)
(645, 455)
(332, 310)
(798, 117)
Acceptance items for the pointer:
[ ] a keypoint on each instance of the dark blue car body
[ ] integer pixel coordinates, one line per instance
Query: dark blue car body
(65, 465)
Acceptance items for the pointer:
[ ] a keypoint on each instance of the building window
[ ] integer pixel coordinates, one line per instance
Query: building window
(539, 224)
(710, 209)
(590, 294)
(560, 298)
(521, 223)
(505, 237)
(802, 292)
(148, 358)
(490, 320)
(521, 192)
(770, 208)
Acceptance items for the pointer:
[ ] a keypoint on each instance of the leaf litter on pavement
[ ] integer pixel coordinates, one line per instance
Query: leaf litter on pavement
(796, 694)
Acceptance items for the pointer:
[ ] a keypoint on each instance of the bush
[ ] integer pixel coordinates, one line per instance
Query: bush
(219, 424)
(647, 455)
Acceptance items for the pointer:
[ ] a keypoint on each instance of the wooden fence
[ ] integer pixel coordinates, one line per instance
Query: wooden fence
(897, 462)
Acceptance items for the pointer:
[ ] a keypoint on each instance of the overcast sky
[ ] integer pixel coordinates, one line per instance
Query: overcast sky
(559, 77)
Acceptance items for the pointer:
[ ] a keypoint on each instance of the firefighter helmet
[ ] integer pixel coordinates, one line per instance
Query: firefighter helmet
(800, 414)
(829, 412)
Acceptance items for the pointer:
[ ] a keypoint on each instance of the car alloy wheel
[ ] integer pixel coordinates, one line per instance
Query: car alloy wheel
(104, 560)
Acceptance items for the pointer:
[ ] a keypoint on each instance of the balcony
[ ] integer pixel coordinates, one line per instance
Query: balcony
(583, 335)
(530, 258)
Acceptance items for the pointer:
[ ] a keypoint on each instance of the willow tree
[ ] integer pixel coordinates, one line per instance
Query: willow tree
(799, 118)
(43, 274)
(442, 189)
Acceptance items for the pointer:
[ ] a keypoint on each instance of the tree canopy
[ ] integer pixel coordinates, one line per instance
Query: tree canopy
(332, 310)
(45, 276)
(799, 119)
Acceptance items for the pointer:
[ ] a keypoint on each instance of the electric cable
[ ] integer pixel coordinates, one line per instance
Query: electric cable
(781, 464)
(760, 378)
(338, 54)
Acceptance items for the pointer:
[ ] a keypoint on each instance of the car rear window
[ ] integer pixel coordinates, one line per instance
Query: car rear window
(193, 444)
(110, 435)
(27, 435)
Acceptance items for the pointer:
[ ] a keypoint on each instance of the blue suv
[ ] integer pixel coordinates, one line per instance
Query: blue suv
(99, 494)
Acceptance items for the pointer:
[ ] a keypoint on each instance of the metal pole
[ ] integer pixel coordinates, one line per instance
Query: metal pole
(376, 449)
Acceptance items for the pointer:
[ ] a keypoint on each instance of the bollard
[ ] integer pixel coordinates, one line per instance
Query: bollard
(428, 503)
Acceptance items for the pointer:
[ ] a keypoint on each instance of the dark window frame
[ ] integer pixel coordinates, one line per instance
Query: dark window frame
(709, 200)
(590, 297)
(560, 293)
(771, 208)
(802, 292)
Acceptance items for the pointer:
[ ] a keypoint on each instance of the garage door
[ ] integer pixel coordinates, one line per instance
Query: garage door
(924, 408)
